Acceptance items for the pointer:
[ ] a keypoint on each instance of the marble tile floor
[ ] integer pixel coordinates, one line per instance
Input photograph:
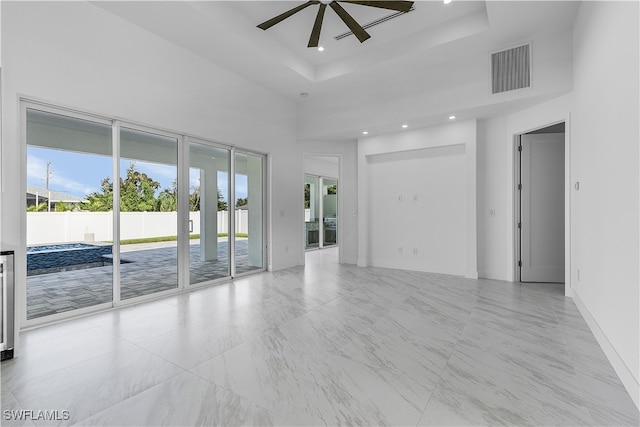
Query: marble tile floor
(326, 344)
(152, 268)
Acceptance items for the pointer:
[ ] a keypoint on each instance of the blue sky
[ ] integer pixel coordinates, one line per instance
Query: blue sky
(79, 174)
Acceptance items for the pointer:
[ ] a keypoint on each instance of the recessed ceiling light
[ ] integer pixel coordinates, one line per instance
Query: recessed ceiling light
(321, 48)
(446, 1)
(452, 117)
(405, 126)
(364, 132)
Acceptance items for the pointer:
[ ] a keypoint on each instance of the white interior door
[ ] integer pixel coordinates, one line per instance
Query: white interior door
(542, 208)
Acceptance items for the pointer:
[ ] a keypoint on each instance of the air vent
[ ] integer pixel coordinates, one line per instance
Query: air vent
(511, 69)
(374, 23)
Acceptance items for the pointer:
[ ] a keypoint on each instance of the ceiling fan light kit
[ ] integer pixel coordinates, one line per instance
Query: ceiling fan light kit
(354, 26)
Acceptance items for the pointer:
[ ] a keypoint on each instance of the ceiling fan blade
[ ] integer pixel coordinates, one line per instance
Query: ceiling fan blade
(317, 26)
(355, 28)
(273, 21)
(399, 5)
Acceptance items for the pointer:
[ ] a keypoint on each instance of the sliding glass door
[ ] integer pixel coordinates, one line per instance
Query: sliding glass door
(321, 212)
(148, 213)
(312, 211)
(117, 213)
(209, 211)
(249, 201)
(69, 203)
(329, 212)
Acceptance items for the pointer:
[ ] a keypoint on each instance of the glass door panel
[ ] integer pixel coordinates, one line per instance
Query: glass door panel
(209, 213)
(311, 211)
(249, 197)
(330, 211)
(69, 213)
(148, 213)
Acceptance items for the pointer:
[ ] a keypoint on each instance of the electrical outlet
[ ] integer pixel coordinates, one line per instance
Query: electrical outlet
(399, 198)
(415, 198)
(492, 212)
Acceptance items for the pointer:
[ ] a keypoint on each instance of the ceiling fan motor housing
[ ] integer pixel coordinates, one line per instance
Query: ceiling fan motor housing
(356, 29)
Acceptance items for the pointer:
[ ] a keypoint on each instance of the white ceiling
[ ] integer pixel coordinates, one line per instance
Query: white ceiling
(293, 33)
(381, 70)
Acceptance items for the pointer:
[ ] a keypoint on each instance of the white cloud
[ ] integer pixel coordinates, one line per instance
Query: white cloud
(156, 171)
(37, 171)
(194, 177)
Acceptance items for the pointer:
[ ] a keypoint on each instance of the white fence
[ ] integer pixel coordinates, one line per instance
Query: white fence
(63, 227)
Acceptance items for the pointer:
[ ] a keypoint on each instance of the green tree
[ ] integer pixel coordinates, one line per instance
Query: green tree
(65, 207)
(102, 200)
(168, 199)
(42, 207)
(307, 196)
(194, 199)
(137, 193)
(242, 202)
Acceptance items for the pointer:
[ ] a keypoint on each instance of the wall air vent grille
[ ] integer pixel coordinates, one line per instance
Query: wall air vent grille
(511, 69)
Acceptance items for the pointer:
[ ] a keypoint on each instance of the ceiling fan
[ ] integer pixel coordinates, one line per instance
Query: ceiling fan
(358, 31)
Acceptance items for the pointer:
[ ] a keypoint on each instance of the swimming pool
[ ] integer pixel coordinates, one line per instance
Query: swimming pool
(60, 247)
(44, 259)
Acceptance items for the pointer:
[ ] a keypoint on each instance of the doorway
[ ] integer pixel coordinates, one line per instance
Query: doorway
(320, 212)
(321, 201)
(540, 205)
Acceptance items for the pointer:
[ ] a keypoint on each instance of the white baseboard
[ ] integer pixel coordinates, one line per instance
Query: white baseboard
(568, 292)
(492, 275)
(628, 380)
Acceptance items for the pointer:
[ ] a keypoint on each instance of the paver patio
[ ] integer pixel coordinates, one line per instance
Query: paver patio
(150, 269)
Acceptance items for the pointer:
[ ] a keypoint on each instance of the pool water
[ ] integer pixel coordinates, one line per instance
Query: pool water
(66, 256)
(59, 247)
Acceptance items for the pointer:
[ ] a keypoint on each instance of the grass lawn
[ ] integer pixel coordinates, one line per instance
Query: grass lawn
(171, 238)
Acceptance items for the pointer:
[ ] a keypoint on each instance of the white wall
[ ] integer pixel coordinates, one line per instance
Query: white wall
(602, 230)
(493, 147)
(322, 166)
(417, 210)
(347, 193)
(438, 165)
(605, 161)
(77, 55)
